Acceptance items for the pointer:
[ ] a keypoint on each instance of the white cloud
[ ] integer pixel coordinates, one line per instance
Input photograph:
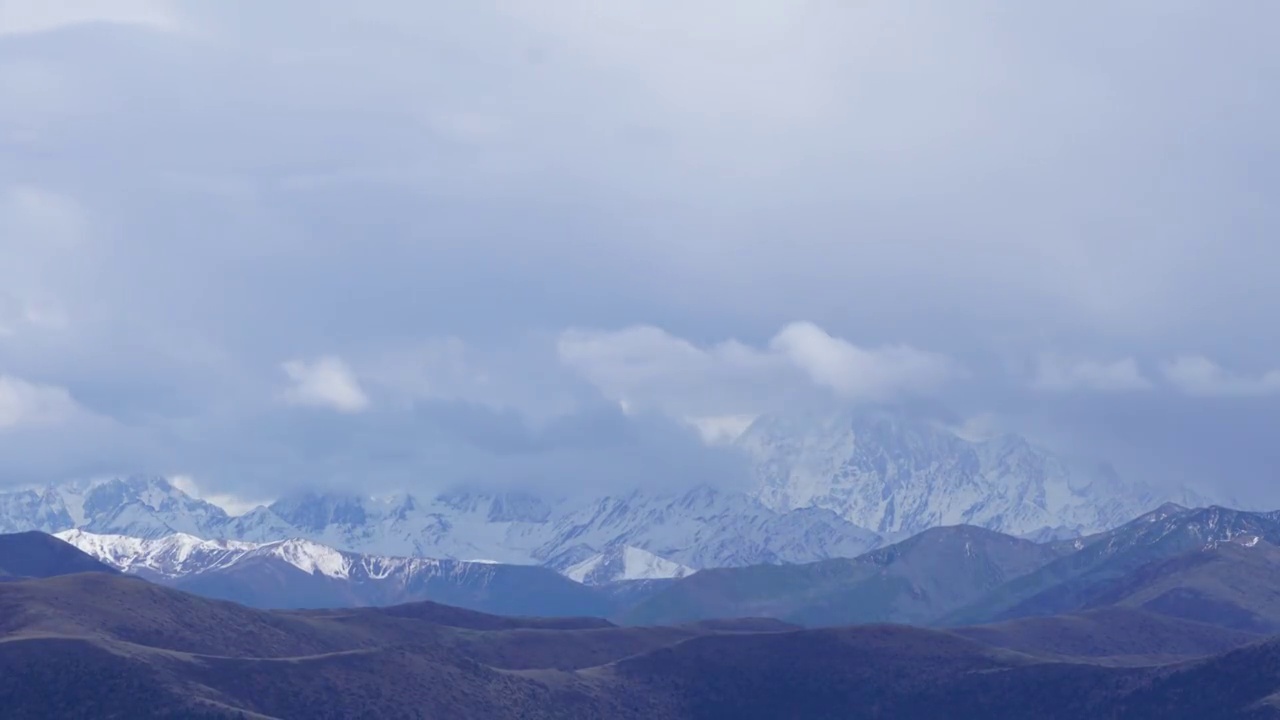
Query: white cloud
(1061, 374)
(326, 382)
(24, 403)
(21, 17)
(1201, 377)
(980, 427)
(857, 373)
(233, 504)
(918, 171)
(640, 355)
(721, 429)
(645, 366)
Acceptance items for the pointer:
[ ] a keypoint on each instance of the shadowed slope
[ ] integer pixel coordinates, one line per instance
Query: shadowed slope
(1234, 584)
(1088, 577)
(37, 555)
(912, 581)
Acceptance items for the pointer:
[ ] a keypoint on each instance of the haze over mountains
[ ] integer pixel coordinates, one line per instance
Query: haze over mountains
(825, 487)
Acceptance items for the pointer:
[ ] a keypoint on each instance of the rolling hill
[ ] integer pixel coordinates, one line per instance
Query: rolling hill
(108, 645)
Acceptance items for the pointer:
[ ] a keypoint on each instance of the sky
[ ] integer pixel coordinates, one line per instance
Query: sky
(578, 245)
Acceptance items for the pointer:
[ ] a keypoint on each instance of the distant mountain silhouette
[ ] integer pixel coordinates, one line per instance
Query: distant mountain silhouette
(913, 581)
(37, 555)
(1095, 575)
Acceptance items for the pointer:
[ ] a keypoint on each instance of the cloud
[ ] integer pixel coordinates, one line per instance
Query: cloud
(435, 193)
(860, 374)
(647, 367)
(46, 434)
(18, 18)
(1056, 373)
(233, 504)
(24, 403)
(435, 445)
(1201, 377)
(41, 250)
(325, 382)
(721, 429)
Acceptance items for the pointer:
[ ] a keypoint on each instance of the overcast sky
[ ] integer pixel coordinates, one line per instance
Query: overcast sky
(577, 244)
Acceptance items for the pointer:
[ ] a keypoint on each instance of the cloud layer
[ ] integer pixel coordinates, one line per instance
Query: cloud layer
(326, 383)
(398, 243)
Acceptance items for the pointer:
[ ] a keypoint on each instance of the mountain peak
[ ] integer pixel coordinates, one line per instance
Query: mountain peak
(898, 475)
(310, 557)
(313, 512)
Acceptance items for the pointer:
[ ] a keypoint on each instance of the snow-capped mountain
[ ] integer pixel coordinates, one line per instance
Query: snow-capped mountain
(138, 506)
(303, 573)
(626, 563)
(702, 527)
(168, 556)
(181, 555)
(898, 477)
(826, 487)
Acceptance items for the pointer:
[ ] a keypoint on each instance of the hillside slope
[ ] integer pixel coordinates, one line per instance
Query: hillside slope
(912, 581)
(100, 645)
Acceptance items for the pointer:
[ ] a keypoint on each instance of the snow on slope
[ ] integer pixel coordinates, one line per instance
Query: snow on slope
(310, 557)
(169, 556)
(625, 563)
(177, 556)
(137, 506)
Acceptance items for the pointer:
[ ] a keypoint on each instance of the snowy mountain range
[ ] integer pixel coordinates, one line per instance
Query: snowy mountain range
(298, 573)
(827, 487)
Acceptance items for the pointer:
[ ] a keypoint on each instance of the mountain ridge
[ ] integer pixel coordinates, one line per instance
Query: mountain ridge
(911, 581)
(304, 574)
(1078, 580)
(819, 485)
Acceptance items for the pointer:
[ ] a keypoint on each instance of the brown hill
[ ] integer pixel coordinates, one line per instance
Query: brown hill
(97, 645)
